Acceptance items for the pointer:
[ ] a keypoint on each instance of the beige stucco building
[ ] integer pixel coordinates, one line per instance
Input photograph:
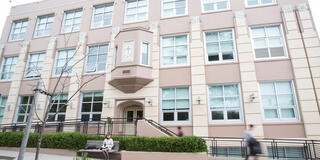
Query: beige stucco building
(212, 67)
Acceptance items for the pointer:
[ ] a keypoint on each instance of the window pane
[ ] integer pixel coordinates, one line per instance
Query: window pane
(230, 90)
(273, 31)
(267, 89)
(168, 41)
(96, 117)
(53, 108)
(213, 57)
(85, 117)
(287, 113)
(258, 32)
(212, 37)
(86, 107)
(217, 115)
(225, 35)
(260, 43)
(267, 1)
(180, 40)
(232, 102)
(98, 96)
(168, 51)
(268, 101)
(277, 52)
(233, 114)
(182, 104)
(168, 116)
(270, 113)
(20, 119)
(215, 91)
(182, 93)
(212, 47)
(216, 102)
(183, 116)
(97, 107)
(275, 42)
(61, 117)
(168, 104)
(283, 88)
(168, 93)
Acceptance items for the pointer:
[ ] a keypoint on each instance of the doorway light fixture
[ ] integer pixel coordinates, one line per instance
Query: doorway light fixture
(198, 99)
(149, 101)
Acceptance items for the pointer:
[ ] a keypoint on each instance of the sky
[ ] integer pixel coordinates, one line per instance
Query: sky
(6, 5)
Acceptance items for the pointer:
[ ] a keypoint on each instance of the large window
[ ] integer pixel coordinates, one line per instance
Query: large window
(225, 103)
(278, 100)
(64, 61)
(7, 67)
(259, 2)
(44, 26)
(34, 66)
(175, 105)
(136, 10)
(18, 30)
(72, 21)
(220, 46)
(215, 5)
(145, 54)
(102, 15)
(58, 109)
(24, 106)
(174, 50)
(3, 103)
(91, 106)
(97, 58)
(171, 8)
(268, 42)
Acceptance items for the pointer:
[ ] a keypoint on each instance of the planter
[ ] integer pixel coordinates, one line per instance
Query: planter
(133, 155)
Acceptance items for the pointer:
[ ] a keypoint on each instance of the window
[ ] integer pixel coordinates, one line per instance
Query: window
(127, 51)
(34, 66)
(72, 21)
(175, 50)
(58, 109)
(64, 61)
(215, 5)
(3, 103)
(171, 8)
(268, 42)
(102, 15)
(115, 56)
(44, 26)
(234, 152)
(145, 54)
(136, 10)
(259, 2)
(287, 152)
(24, 106)
(175, 105)
(220, 46)
(97, 58)
(91, 107)
(225, 103)
(8, 66)
(278, 100)
(18, 30)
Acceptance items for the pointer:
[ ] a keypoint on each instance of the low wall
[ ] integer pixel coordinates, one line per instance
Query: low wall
(131, 155)
(147, 130)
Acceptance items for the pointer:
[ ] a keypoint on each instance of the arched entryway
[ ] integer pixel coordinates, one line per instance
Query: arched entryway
(133, 112)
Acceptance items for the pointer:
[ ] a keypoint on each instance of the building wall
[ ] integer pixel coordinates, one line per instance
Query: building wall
(301, 66)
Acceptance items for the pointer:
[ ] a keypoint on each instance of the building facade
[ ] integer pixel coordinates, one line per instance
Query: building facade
(209, 66)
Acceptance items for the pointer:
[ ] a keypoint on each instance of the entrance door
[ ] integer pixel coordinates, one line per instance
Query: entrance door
(133, 113)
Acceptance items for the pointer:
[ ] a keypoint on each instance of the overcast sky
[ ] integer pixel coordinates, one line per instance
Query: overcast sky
(6, 5)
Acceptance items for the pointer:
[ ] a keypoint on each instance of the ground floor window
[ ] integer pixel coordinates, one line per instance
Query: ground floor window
(287, 152)
(58, 109)
(3, 102)
(91, 106)
(24, 106)
(234, 152)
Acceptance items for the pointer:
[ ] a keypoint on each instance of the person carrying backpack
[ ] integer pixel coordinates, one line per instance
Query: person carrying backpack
(251, 143)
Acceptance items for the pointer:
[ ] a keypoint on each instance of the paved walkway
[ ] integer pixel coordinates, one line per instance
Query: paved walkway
(31, 155)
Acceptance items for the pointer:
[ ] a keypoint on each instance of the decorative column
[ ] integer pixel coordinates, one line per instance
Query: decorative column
(249, 83)
(198, 80)
(16, 83)
(304, 48)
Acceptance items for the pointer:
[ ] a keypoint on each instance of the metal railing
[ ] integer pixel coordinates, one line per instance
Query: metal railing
(161, 128)
(288, 149)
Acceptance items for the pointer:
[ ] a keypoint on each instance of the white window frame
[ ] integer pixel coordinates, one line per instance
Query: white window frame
(13, 27)
(93, 14)
(28, 65)
(18, 108)
(284, 41)
(175, 111)
(296, 107)
(141, 54)
(55, 62)
(2, 66)
(259, 4)
(137, 20)
(64, 19)
(174, 65)
(215, 10)
(58, 107)
(91, 111)
(46, 24)
(175, 15)
(87, 56)
(224, 109)
(3, 106)
(235, 53)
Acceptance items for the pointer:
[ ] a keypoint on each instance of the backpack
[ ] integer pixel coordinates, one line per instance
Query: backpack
(255, 147)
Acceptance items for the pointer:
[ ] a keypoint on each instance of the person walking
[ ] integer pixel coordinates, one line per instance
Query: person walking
(180, 133)
(107, 146)
(251, 143)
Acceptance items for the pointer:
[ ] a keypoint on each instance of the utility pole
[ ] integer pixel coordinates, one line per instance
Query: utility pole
(29, 123)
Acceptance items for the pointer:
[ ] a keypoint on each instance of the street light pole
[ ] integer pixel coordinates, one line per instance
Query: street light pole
(29, 123)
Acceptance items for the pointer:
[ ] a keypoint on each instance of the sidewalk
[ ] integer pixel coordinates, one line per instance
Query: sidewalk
(31, 155)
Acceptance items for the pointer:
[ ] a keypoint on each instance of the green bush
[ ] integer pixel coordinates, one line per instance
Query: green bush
(76, 141)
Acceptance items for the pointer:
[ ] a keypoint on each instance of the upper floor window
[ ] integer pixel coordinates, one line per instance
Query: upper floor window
(278, 100)
(91, 106)
(59, 108)
(259, 2)
(145, 53)
(174, 50)
(268, 42)
(215, 5)
(72, 21)
(136, 10)
(220, 46)
(24, 106)
(18, 30)
(97, 58)
(44, 25)
(225, 103)
(7, 67)
(3, 103)
(175, 105)
(35, 64)
(64, 61)
(102, 15)
(171, 8)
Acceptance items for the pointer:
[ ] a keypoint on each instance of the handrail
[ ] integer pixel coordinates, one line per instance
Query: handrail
(160, 127)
